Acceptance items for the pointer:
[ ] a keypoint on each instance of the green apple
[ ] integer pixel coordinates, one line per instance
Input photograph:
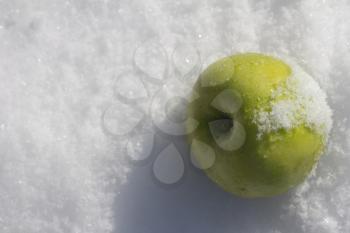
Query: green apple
(266, 123)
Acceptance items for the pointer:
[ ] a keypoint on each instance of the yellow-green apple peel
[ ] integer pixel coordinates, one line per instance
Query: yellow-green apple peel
(264, 120)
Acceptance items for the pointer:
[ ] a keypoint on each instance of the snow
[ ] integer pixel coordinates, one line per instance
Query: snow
(71, 159)
(297, 101)
(151, 58)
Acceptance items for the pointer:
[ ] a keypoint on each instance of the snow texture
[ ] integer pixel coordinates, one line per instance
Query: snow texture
(297, 101)
(66, 67)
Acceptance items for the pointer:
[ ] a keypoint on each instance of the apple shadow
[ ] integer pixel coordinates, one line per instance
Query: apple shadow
(193, 204)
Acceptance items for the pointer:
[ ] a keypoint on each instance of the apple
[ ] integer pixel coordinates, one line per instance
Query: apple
(265, 121)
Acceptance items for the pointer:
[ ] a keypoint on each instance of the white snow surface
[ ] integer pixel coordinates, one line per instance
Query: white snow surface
(64, 167)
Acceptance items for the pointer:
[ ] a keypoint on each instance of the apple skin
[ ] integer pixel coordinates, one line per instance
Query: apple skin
(261, 167)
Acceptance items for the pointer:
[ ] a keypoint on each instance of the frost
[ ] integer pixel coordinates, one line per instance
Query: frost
(298, 101)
